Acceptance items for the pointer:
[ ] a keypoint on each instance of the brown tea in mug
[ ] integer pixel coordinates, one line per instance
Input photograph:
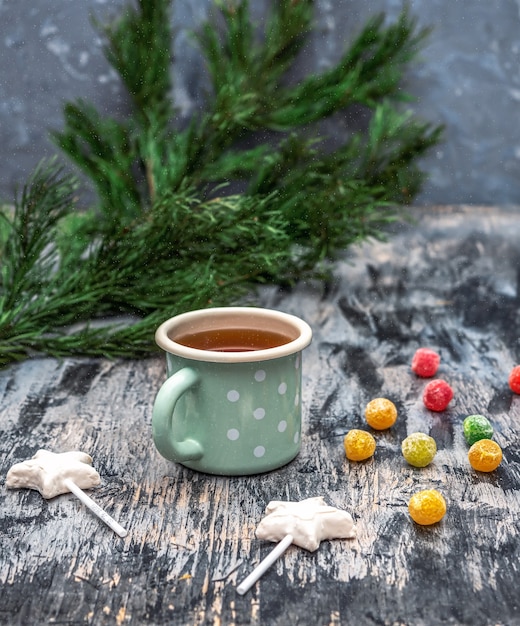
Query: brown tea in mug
(233, 339)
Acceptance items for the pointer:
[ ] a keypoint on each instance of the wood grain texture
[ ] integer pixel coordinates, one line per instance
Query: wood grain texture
(451, 281)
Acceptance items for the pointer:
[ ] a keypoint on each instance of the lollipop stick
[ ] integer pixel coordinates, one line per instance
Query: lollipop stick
(95, 508)
(264, 565)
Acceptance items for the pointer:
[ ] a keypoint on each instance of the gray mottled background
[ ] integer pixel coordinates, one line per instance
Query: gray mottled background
(468, 79)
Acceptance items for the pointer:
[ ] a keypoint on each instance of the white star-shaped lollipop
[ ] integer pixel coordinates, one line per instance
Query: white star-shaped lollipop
(309, 522)
(47, 472)
(53, 474)
(304, 523)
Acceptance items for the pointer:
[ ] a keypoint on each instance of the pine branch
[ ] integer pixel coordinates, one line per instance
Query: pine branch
(169, 235)
(138, 48)
(126, 275)
(251, 94)
(102, 149)
(27, 255)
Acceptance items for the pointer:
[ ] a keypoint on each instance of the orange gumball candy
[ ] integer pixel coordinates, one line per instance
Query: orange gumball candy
(485, 455)
(380, 413)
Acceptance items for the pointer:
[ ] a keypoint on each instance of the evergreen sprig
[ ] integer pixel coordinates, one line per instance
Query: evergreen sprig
(169, 234)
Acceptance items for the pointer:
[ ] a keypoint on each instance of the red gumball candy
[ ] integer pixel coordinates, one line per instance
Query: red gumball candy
(425, 362)
(514, 379)
(437, 395)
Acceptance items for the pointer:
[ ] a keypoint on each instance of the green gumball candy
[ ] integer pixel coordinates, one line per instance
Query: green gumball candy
(477, 427)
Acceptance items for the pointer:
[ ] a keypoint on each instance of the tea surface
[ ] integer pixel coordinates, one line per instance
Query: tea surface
(233, 339)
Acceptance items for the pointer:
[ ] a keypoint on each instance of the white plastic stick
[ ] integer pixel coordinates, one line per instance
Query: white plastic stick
(95, 508)
(264, 565)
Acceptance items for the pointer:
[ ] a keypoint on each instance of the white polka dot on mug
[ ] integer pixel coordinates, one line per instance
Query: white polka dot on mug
(233, 395)
(260, 376)
(259, 413)
(233, 434)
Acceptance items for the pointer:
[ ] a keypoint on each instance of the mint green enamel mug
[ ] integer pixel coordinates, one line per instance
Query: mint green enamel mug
(231, 404)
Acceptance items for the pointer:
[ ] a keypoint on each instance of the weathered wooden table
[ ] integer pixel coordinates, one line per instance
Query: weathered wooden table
(450, 281)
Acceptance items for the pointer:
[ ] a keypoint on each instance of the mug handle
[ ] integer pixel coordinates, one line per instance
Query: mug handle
(162, 418)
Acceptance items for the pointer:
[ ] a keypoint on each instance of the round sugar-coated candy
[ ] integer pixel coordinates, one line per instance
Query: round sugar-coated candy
(485, 455)
(359, 445)
(427, 507)
(425, 362)
(514, 379)
(380, 413)
(477, 427)
(419, 449)
(437, 395)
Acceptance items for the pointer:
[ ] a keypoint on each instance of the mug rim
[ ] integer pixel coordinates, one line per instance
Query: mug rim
(279, 318)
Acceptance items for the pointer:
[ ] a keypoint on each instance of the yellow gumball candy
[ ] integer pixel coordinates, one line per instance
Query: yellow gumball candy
(427, 507)
(419, 449)
(359, 445)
